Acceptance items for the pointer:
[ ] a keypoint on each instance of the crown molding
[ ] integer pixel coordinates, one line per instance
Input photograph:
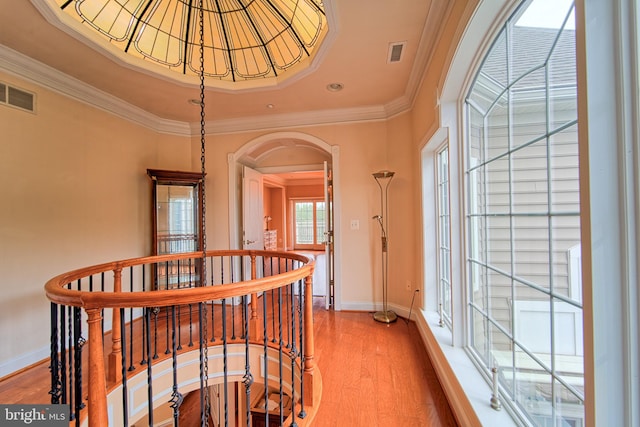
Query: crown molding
(22, 66)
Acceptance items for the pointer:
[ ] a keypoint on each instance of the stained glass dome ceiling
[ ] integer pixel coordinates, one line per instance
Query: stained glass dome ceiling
(252, 41)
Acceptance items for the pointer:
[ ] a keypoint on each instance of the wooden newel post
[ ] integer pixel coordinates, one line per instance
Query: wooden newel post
(309, 363)
(115, 357)
(98, 415)
(253, 320)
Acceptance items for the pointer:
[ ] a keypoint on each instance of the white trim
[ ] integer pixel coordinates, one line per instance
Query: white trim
(608, 133)
(332, 150)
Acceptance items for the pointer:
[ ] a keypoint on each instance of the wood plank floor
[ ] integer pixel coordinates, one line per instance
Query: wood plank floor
(373, 375)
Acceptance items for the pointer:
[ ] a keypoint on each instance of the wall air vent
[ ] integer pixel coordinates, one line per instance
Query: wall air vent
(18, 98)
(395, 52)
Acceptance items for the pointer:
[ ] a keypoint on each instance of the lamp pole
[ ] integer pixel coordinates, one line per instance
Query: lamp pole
(384, 177)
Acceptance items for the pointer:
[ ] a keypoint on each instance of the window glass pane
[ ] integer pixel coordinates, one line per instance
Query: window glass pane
(529, 108)
(476, 137)
(562, 80)
(444, 254)
(500, 295)
(320, 222)
(496, 185)
(304, 223)
(498, 241)
(479, 290)
(532, 321)
(531, 249)
(479, 336)
(567, 264)
(502, 357)
(497, 128)
(569, 406)
(494, 70)
(529, 176)
(565, 184)
(533, 387)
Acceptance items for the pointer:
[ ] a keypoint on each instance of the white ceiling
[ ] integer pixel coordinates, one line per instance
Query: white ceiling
(356, 56)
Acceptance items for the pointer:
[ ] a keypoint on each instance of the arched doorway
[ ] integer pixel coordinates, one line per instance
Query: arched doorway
(289, 155)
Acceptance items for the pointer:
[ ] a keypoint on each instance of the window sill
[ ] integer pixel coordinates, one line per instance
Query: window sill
(467, 392)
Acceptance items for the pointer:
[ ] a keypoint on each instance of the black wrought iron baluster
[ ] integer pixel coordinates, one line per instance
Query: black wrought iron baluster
(293, 353)
(266, 360)
(225, 367)
(203, 382)
(179, 316)
(213, 320)
(63, 356)
(147, 344)
(155, 311)
(286, 301)
(233, 318)
(125, 392)
(273, 310)
(54, 366)
(77, 364)
(71, 370)
(145, 337)
(131, 366)
(176, 396)
(247, 379)
(280, 347)
(166, 312)
(301, 299)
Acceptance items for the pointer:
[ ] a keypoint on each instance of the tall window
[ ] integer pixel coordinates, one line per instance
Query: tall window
(523, 224)
(309, 219)
(444, 238)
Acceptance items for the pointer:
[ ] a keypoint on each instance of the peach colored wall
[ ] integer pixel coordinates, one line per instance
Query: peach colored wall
(75, 193)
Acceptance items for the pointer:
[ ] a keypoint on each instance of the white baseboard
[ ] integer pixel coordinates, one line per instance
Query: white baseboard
(23, 361)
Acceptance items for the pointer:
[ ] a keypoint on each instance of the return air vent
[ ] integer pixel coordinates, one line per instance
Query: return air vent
(18, 98)
(395, 52)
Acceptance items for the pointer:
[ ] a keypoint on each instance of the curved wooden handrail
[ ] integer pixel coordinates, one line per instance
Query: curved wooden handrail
(56, 291)
(59, 291)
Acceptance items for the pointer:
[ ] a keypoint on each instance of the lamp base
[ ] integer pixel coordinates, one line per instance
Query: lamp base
(385, 316)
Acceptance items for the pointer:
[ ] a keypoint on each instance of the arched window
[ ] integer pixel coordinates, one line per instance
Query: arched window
(523, 215)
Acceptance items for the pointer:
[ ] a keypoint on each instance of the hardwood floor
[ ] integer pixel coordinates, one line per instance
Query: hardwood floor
(373, 375)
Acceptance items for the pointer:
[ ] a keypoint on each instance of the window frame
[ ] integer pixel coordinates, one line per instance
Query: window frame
(318, 238)
(484, 361)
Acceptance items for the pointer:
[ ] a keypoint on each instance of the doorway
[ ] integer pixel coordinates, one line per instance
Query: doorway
(293, 165)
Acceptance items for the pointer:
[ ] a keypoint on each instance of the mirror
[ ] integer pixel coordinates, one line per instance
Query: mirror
(177, 211)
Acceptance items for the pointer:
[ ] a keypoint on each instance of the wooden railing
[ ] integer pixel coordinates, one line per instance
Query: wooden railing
(257, 300)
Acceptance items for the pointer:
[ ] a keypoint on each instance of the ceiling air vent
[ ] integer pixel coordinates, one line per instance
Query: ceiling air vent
(18, 98)
(395, 52)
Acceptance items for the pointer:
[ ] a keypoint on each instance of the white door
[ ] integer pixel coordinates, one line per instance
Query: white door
(329, 235)
(252, 209)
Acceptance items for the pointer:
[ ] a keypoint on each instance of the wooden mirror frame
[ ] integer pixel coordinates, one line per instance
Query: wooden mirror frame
(167, 177)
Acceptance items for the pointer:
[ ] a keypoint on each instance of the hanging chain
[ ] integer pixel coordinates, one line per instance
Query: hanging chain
(203, 315)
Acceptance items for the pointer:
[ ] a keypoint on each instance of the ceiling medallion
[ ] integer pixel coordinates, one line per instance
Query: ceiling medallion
(244, 39)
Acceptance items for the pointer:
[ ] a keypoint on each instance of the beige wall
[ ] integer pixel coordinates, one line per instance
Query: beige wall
(75, 193)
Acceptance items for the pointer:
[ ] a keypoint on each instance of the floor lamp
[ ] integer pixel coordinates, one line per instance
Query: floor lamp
(384, 178)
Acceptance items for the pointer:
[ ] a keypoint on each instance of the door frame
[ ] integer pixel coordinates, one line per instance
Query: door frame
(240, 158)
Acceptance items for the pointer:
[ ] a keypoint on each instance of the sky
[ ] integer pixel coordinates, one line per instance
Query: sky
(547, 14)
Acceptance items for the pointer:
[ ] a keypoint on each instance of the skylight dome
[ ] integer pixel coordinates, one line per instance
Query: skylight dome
(244, 40)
